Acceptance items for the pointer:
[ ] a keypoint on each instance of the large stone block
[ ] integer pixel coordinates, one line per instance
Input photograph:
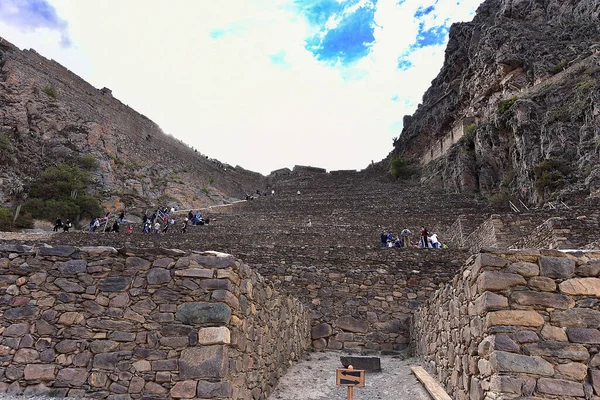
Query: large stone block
(577, 371)
(195, 273)
(557, 267)
(584, 335)
(114, 284)
(484, 260)
(542, 299)
(595, 375)
(137, 263)
(525, 269)
(214, 335)
(560, 387)
(490, 301)
(211, 390)
(40, 372)
(158, 276)
(72, 376)
(542, 284)
(564, 350)
(184, 390)
(204, 362)
(213, 259)
(16, 330)
(69, 286)
(498, 281)
(501, 361)
(581, 287)
(59, 251)
(371, 364)
(514, 318)
(23, 312)
(321, 331)
(351, 324)
(201, 313)
(576, 317)
(73, 267)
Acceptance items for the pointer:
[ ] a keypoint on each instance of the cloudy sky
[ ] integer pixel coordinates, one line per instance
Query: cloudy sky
(264, 84)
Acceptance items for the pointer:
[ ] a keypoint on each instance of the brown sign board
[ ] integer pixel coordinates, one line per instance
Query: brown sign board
(350, 377)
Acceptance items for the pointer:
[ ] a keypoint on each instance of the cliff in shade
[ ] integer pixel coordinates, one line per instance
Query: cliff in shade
(515, 109)
(49, 115)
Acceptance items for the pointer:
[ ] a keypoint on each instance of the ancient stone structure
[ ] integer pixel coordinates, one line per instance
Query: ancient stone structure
(516, 324)
(147, 323)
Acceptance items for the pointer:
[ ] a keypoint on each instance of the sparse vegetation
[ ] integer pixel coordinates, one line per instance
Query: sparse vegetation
(211, 180)
(507, 104)
(550, 174)
(500, 200)
(8, 222)
(558, 68)
(469, 135)
(402, 168)
(60, 192)
(50, 91)
(7, 151)
(89, 162)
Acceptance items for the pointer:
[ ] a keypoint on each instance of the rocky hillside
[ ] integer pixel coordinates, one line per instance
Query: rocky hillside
(515, 109)
(49, 115)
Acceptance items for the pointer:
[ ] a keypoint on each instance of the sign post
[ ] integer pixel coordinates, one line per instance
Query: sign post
(351, 378)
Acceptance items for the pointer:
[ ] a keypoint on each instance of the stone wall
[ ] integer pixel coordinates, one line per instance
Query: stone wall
(516, 324)
(562, 233)
(362, 304)
(151, 323)
(443, 145)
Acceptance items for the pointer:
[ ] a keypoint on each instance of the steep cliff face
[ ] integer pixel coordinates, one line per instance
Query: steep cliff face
(49, 115)
(516, 106)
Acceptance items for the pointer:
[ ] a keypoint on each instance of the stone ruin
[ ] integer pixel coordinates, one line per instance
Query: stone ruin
(95, 315)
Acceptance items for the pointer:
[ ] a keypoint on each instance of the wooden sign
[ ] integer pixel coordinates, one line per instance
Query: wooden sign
(350, 377)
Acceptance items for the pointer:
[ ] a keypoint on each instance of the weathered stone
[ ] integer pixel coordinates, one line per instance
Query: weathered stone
(214, 335)
(371, 364)
(581, 287)
(542, 284)
(119, 301)
(201, 313)
(506, 384)
(114, 284)
(136, 385)
(103, 346)
(351, 324)
(71, 318)
(40, 372)
(25, 356)
(542, 299)
(557, 267)
(110, 324)
(69, 286)
(195, 273)
(212, 259)
(488, 301)
(498, 281)
(576, 317)
(526, 336)
(595, 375)
(560, 387)
(322, 330)
(72, 376)
(334, 344)
(563, 350)
(584, 335)
(142, 366)
(73, 267)
(158, 276)
(216, 284)
(211, 390)
(117, 388)
(98, 379)
(16, 330)
(515, 318)
(137, 263)
(227, 297)
(177, 330)
(486, 260)
(501, 361)
(497, 342)
(165, 365)
(555, 333)
(203, 362)
(66, 346)
(573, 370)
(82, 359)
(59, 251)
(184, 390)
(122, 336)
(319, 344)
(591, 268)
(525, 269)
(154, 388)
(163, 262)
(110, 360)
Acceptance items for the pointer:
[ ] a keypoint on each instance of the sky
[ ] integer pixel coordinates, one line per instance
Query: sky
(264, 84)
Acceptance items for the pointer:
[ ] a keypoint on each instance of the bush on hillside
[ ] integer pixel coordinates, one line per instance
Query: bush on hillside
(402, 168)
(8, 222)
(89, 162)
(60, 193)
(50, 91)
(507, 104)
(550, 174)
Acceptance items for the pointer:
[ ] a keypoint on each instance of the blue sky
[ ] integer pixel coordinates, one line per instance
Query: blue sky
(264, 84)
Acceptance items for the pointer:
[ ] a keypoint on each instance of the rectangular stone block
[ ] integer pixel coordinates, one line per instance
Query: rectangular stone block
(490, 301)
(557, 267)
(563, 350)
(165, 365)
(214, 335)
(204, 362)
(501, 361)
(514, 318)
(581, 287)
(498, 281)
(560, 387)
(195, 273)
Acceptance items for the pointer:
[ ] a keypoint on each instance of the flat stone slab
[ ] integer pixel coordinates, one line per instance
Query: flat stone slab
(371, 364)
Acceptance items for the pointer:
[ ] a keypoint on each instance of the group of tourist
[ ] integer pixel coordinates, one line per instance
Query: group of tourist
(404, 239)
(60, 225)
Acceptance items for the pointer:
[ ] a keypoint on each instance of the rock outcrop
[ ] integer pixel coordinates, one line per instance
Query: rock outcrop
(516, 105)
(49, 115)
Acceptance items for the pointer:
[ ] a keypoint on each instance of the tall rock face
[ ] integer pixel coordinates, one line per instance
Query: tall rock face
(49, 115)
(515, 108)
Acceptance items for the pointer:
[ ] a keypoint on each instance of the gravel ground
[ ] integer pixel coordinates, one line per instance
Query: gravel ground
(314, 379)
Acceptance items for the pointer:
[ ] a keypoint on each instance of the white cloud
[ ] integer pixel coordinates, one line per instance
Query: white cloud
(227, 98)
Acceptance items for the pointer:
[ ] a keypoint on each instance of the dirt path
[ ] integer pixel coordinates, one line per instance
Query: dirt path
(314, 379)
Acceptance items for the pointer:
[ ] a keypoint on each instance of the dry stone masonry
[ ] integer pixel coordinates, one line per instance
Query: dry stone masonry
(151, 323)
(516, 324)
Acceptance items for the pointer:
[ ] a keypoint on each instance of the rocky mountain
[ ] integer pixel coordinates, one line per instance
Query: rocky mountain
(49, 115)
(515, 109)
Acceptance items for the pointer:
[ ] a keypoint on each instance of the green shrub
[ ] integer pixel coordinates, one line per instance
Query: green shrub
(6, 219)
(500, 201)
(89, 162)
(469, 135)
(551, 174)
(7, 216)
(50, 91)
(402, 168)
(507, 104)
(558, 68)
(7, 151)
